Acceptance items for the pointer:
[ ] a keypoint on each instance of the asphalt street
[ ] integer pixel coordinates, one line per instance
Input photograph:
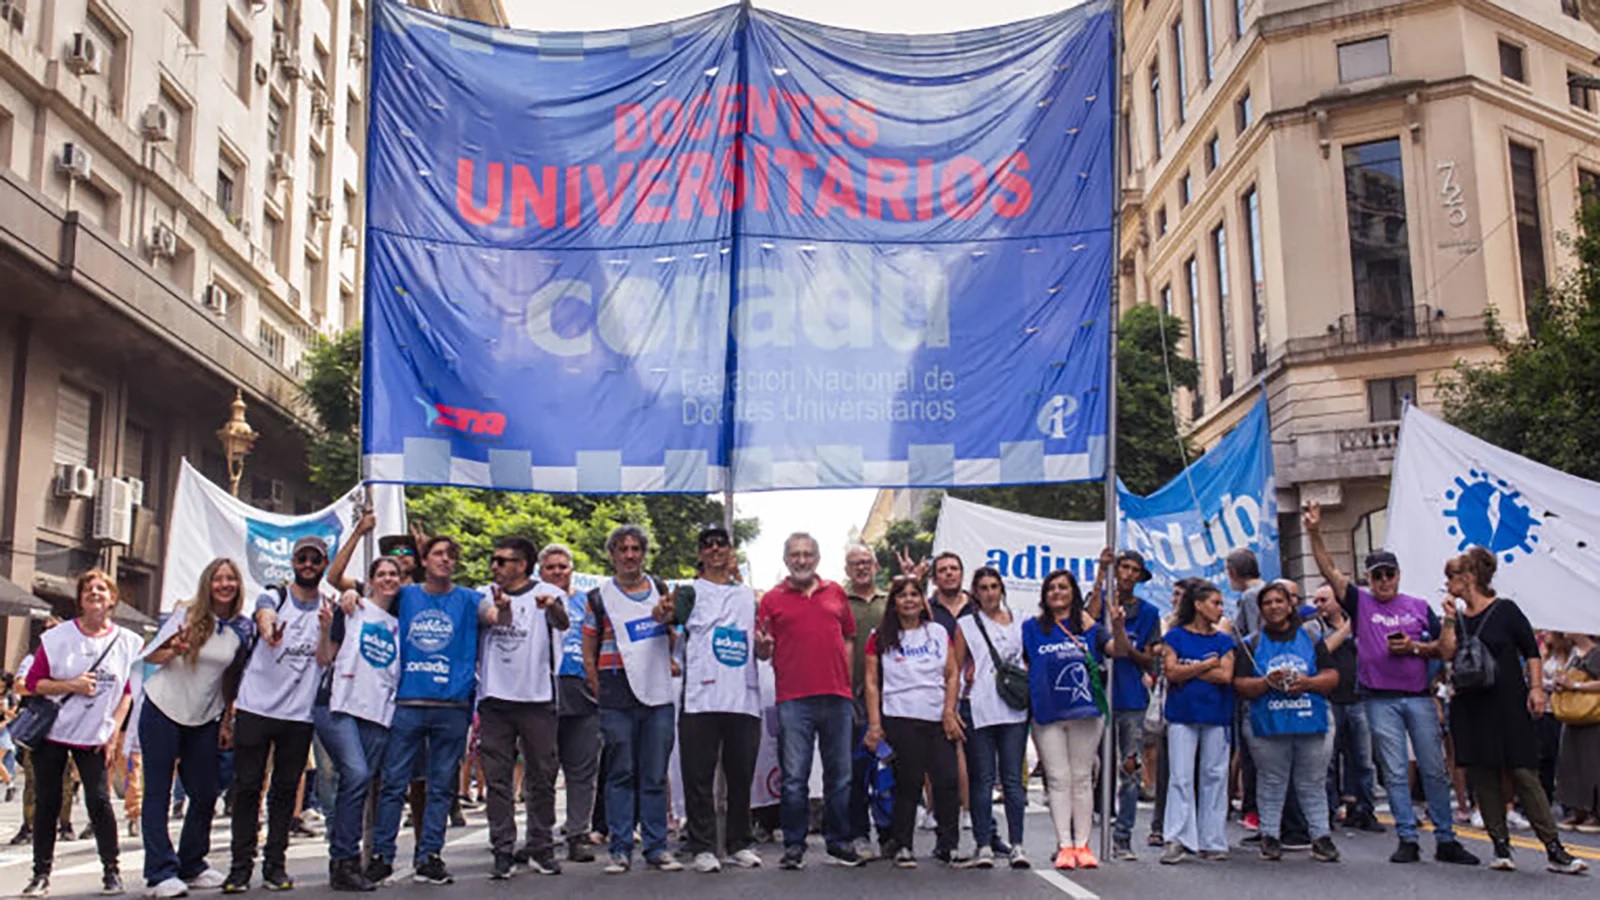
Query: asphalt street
(1364, 871)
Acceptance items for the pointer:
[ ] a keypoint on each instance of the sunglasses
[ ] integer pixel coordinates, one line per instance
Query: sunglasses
(1384, 573)
(715, 540)
(402, 551)
(308, 559)
(504, 560)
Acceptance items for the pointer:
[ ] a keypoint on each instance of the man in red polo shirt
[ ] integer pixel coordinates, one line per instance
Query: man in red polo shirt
(805, 627)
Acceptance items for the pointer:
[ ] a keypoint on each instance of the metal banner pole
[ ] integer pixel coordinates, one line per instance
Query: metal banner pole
(1108, 737)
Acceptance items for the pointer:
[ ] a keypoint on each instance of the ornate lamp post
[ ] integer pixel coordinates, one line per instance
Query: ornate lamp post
(237, 438)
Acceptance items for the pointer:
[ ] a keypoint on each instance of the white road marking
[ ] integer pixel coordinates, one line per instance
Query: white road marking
(1066, 885)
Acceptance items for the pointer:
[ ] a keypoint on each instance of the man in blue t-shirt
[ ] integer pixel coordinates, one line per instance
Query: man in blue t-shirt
(1136, 631)
(433, 709)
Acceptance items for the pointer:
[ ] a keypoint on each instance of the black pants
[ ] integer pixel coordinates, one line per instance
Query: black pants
(50, 767)
(921, 750)
(504, 727)
(255, 739)
(707, 739)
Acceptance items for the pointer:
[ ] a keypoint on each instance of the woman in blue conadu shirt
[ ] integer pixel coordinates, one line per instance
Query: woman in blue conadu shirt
(1286, 675)
(1198, 662)
(1061, 645)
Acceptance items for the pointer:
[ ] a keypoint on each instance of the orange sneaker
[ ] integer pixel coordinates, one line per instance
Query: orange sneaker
(1085, 857)
(1067, 858)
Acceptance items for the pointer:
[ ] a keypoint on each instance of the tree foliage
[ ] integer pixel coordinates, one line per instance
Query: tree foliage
(1540, 398)
(332, 389)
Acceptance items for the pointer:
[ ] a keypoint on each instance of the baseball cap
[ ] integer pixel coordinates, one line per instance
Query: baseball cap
(1378, 558)
(715, 528)
(397, 545)
(310, 542)
(1136, 557)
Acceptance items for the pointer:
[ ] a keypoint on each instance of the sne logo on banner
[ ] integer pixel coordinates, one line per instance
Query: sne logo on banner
(267, 546)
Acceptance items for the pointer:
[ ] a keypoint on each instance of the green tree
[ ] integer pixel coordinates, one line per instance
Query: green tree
(1539, 398)
(332, 389)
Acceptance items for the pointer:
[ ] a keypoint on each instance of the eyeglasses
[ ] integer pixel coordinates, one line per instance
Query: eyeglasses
(1384, 573)
(308, 559)
(504, 560)
(715, 540)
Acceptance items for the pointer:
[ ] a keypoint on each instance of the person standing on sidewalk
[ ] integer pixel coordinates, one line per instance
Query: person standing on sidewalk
(1130, 699)
(86, 661)
(360, 646)
(627, 657)
(1396, 634)
(1285, 676)
(272, 719)
(179, 727)
(578, 718)
(867, 605)
(997, 745)
(805, 627)
(721, 717)
(433, 710)
(1350, 771)
(1199, 662)
(517, 704)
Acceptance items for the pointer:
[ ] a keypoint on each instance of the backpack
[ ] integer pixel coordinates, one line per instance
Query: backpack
(234, 673)
(1473, 668)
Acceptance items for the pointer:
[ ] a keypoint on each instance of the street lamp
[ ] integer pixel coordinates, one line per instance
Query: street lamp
(237, 438)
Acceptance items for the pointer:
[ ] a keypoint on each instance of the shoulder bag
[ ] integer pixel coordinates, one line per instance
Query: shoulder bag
(38, 715)
(1010, 679)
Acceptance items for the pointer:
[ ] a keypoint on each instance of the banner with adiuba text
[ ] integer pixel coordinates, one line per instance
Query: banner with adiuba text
(737, 250)
(208, 522)
(1024, 549)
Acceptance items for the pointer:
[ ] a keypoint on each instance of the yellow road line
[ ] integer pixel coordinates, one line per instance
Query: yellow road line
(1478, 834)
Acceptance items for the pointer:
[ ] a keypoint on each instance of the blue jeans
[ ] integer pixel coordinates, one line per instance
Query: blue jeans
(1197, 813)
(356, 748)
(639, 740)
(1007, 745)
(441, 731)
(1393, 720)
(164, 744)
(1351, 758)
(1129, 737)
(1291, 761)
(823, 722)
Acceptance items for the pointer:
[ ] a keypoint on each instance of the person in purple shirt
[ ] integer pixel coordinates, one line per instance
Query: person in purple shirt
(1396, 634)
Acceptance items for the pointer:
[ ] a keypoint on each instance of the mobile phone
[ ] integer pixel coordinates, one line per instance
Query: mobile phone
(1397, 635)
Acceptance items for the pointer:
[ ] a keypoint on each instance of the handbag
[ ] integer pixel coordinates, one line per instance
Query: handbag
(1010, 679)
(1097, 684)
(38, 715)
(1155, 715)
(1576, 707)
(1474, 667)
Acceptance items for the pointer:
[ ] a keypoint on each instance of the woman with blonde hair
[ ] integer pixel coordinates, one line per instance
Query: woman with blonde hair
(179, 726)
(86, 662)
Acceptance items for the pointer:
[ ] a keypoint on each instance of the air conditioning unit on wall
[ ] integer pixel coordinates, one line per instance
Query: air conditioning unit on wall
(113, 512)
(74, 481)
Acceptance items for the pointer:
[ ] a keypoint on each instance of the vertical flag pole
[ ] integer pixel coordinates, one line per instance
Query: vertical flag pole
(1108, 767)
(370, 543)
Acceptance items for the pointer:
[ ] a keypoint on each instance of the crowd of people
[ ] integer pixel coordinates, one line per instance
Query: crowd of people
(920, 696)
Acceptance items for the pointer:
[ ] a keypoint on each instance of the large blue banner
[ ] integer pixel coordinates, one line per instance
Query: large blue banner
(1224, 501)
(737, 250)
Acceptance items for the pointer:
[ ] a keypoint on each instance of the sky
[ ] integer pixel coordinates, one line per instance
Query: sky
(827, 514)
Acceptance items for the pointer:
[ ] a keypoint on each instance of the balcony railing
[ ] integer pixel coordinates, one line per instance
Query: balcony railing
(1379, 437)
(1376, 327)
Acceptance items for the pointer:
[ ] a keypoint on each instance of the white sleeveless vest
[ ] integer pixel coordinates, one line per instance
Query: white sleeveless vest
(641, 642)
(719, 662)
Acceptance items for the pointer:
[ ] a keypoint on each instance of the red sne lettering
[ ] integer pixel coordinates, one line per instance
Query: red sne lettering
(469, 421)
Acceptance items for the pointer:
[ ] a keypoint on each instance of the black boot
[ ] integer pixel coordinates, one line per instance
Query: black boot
(345, 875)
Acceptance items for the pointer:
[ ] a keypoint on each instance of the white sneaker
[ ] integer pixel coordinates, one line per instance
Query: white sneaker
(1019, 859)
(207, 880)
(926, 821)
(866, 850)
(747, 859)
(1477, 819)
(966, 821)
(1517, 820)
(312, 815)
(707, 862)
(172, 887)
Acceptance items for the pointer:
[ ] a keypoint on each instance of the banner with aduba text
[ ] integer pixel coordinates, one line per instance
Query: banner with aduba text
(737, 250)
(1224, 501)
(208, 522)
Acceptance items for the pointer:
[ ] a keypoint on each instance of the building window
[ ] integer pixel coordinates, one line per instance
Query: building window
(1191, 275)
(183, 12)
(1588, 188)
(271, 341)
(1512, 63)
(1161, 221)
(352, 120)
(74, 439)
(230, 175)
(236, 59)
(323, 73)
(1184, 190)
(277, 114)
(1166, 299)
(1530, 231)
(1219, 269)
(1386, 397)
(1570, 9)
(272, 237)
(1380, 255)
(1250, 207)
(1155, 106)
(108, 85)
(179, 149)
(1213, 152)
(1208, 46)
(1243, 112)
(1580, 97)
(1368, 534)
(1364, 59)
(319, 170)
(1180, 72)
(1238, 19)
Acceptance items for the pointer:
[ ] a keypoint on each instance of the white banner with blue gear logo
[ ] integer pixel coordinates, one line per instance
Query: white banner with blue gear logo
(1451, 490)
